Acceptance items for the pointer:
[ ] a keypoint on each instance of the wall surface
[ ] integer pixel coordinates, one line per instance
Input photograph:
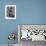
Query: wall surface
(6, 26)
(27, 12)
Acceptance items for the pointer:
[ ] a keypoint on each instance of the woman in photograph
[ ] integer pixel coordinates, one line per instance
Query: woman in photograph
(10, 12)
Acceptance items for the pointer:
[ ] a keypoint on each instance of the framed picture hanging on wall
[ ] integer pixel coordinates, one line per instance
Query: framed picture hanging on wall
(10, 11)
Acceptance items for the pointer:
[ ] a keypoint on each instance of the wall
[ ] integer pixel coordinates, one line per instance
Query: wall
(31, 11)
(6, 26)
(27, 12)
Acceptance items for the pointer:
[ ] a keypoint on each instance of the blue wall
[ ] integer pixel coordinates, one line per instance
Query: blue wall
(27, 12)
(31, 11)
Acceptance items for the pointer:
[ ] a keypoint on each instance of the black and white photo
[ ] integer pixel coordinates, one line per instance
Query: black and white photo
(10, 11)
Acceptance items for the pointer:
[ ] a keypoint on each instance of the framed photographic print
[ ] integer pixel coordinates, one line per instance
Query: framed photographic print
(33, 32)
(10, 11)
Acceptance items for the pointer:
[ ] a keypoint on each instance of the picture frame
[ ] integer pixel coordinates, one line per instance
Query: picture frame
(10, 11)
(36, 32)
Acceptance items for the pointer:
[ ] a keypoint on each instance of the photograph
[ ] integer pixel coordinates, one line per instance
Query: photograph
(28, 33)
(10, 11)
